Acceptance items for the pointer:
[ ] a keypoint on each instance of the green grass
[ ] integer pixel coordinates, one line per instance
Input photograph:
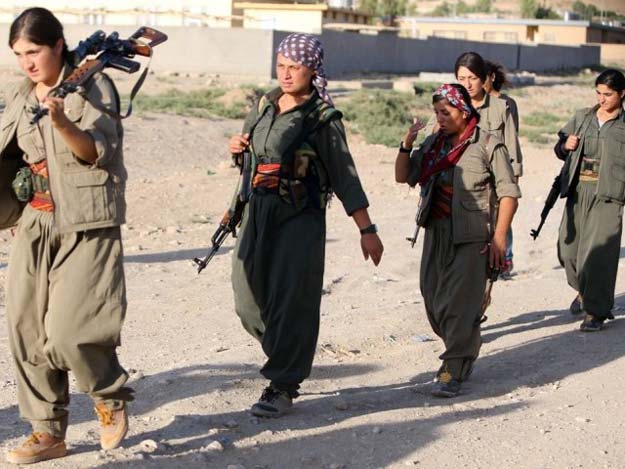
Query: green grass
(541, 127)
(383, 116)
(201, 103)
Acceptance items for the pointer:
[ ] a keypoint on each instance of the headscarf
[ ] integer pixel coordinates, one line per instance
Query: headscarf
(437, 159)
(307, 50)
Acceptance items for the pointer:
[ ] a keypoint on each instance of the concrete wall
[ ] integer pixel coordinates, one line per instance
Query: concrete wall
(613, 54)
(305, 21)
(251, 53)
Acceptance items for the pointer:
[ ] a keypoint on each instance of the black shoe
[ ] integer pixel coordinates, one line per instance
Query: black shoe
(446, 386)
(591, 324)
(272, 403)
(576, 306)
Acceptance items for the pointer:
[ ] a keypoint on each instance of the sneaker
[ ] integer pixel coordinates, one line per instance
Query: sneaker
(272, 403)
(591, 324)
(37, 447)
(113, 425)
(576, 306)
(446, 386)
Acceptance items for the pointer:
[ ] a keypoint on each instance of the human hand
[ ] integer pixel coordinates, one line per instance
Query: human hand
(371, 246)
(56, 110)
(571, 143)
(412, 132)
(238, 143)
(496, 250)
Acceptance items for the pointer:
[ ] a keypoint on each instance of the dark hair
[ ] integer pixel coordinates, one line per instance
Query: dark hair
(474, 62)
(39, 26)
(495, 68)
(611, 78)
(465, 95)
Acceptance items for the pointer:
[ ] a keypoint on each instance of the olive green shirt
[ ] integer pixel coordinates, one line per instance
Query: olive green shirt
(86, 196)
(273, 135)
(606, 144)
(482, 176)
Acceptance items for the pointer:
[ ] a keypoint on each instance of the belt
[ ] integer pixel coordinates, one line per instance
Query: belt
(267, 176)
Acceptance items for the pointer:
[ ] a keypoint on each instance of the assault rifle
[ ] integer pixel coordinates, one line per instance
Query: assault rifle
(110, 51)
(552, 198)
(232, 218)
(228, 224)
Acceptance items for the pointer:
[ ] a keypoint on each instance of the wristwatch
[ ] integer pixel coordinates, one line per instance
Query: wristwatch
(404, 150)
(371, 229)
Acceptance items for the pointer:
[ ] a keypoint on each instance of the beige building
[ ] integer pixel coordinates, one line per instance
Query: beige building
(212, 13)
(302, 17)
(512, 31)
(284, 15)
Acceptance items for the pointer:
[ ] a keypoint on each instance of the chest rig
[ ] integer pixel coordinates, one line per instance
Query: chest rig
(300, 178)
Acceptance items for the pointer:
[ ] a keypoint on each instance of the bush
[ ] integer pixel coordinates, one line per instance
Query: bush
(382, 116)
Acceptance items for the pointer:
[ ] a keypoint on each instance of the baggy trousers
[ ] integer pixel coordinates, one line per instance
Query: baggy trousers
(589, 246)
(277, 277)
(66, 302)
(453, 281)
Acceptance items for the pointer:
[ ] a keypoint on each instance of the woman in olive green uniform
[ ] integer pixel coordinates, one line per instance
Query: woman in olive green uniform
(300, 156)
(593, 179)
(66, 296)
(468, 200)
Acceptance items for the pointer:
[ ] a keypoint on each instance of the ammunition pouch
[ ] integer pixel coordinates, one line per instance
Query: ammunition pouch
(26, 184)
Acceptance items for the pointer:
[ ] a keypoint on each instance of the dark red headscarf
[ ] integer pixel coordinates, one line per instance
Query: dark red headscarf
(435, 160)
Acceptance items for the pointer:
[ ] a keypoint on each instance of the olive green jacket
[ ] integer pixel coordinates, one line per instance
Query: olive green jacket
(85, 196)
(495, 117)
(611, 145)
(482, 176)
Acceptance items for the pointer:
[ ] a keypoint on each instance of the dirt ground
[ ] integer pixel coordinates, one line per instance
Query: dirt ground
(543, 395)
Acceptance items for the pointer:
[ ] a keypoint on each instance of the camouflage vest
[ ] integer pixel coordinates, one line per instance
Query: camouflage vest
(303, 178)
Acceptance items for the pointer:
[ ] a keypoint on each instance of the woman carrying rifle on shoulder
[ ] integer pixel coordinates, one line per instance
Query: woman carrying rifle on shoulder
(593, 180)
(66, 295)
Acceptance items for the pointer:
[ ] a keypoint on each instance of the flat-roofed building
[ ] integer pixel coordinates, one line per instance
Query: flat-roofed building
(512, 31)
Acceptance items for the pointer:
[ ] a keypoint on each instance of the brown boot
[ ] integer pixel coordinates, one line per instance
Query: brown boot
(113, 425)
(38, 447)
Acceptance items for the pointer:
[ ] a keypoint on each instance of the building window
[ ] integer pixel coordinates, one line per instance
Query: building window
(500, 36)
(450, 34)
(549, 37)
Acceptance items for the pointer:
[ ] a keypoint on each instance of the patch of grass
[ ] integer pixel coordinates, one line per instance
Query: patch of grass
(199, 103)
(541, 127)
(382, 116)
(541, 119)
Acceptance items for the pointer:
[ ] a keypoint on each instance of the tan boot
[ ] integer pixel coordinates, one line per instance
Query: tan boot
(38, 447)
(113, 425)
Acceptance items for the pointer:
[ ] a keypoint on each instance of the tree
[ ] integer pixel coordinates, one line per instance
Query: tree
(483, 6)
(442, 10)
(528, 8)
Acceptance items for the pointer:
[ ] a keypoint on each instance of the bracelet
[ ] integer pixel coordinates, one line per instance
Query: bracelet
(403, 149)
(371, 229)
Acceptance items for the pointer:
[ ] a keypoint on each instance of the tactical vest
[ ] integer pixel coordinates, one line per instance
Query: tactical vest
(303, 179)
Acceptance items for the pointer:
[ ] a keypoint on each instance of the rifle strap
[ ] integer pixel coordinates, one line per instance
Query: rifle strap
(137, 86)
(133, 93)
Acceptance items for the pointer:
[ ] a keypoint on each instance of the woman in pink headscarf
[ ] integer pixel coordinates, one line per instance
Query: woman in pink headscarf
(468, 199)
(299, 158)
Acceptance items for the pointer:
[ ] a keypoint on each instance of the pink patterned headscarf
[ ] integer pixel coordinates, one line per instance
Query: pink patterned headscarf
(454, 96)
(307, 50)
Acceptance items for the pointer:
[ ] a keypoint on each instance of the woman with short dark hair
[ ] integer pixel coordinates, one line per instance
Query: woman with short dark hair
(66, 295)
(468, 199)
(592, 144)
